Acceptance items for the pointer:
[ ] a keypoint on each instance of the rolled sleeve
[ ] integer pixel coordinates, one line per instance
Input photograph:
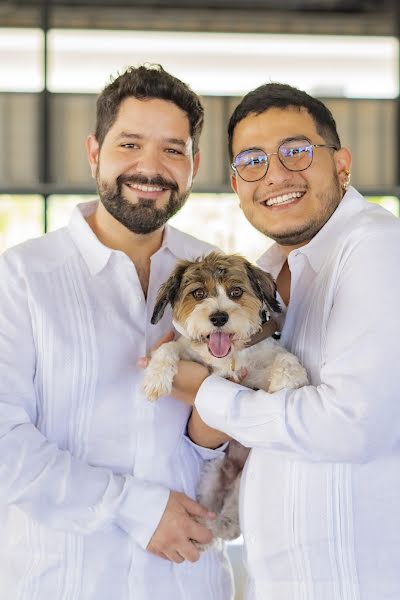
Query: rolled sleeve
(207, 453)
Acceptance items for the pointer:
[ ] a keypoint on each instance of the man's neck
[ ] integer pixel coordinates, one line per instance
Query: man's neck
(138, 247)
(114, 235)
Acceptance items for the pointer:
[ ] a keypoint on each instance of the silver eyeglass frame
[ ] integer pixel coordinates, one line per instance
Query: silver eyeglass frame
(268, 154)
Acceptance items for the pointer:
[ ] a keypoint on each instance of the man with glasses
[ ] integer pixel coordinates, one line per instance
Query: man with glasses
(320, 497)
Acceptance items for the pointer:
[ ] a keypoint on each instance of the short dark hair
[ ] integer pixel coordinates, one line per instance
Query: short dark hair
(147, 81)
(279, 95)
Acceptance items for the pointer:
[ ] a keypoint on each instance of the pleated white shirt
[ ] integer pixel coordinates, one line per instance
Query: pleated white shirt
(320, 495)
(86, 462)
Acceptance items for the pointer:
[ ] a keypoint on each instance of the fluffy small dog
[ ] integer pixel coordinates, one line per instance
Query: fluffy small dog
(218, 303)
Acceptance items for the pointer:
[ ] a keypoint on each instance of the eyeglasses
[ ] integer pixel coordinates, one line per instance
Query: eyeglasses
(295, 155)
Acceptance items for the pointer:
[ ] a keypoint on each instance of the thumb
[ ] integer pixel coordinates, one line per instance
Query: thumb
(143, 361)
(197, 510)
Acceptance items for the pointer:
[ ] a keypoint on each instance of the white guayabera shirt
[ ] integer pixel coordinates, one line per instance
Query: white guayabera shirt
(86, 461)
(320, 495)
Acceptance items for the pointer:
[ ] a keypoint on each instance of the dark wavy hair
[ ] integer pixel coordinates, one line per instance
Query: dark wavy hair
(279, 95)
(148, 81)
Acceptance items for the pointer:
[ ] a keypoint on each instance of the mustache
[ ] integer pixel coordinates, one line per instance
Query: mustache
(142, 180)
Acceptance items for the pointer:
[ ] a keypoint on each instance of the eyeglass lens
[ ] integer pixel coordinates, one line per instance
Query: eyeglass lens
(294, 155)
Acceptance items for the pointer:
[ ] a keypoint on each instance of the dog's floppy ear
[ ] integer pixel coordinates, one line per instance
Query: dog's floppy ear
(168, 292)
(265, 288)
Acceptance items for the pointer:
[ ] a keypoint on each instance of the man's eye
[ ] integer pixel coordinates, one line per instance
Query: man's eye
(297, 151)
(129, 146)
(235, 292)
(199, 294)
(254, 161)
(174, 151)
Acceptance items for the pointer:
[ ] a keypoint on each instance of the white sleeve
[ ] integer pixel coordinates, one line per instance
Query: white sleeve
(48, 483)
(354, 414)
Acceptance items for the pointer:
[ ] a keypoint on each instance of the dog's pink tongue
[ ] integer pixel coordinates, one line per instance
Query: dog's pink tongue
(219, 344)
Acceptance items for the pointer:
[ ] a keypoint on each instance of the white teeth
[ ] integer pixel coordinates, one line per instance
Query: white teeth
(283, 199)
(145, 188)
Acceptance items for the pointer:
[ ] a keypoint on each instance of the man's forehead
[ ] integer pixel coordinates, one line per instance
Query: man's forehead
(151, 118)
(274, 124)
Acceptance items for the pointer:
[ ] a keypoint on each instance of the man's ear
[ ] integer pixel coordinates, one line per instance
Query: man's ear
(234, 183)
(343, 165)
(196, 163)
(93, 151)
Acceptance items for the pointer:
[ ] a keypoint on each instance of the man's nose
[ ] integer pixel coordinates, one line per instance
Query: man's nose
(149, 162)
(277, 172)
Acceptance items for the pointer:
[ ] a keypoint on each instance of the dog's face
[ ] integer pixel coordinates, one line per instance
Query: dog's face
(218, 301)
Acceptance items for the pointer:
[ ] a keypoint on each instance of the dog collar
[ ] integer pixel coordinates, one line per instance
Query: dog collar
(269, 329)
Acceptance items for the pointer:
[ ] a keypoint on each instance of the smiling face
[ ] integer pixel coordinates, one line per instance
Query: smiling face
(289, 206)
(145, 166)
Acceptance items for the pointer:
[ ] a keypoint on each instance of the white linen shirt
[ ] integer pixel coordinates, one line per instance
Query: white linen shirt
(320, 494)
(86, 461)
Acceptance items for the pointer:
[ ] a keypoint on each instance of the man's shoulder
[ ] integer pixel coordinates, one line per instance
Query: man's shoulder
(188, 246)
(374, 222)
(41, 254)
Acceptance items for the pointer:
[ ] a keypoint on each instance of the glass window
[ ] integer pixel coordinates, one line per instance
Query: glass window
(21, 218)
(391, 203)
(21, 60)
(59, 209)
(217, 219)
(214, 218)
(229, 64)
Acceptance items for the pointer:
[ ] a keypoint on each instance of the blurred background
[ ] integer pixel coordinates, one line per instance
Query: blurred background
(55, 57)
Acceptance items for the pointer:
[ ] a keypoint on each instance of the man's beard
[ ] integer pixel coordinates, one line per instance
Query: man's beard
(329, 200)
(144, 216)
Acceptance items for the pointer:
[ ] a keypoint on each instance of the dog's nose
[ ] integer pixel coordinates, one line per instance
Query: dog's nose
(219, 318)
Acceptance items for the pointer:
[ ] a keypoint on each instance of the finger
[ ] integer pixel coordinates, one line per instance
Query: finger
(174, 556)
(196, 509)
(143, 362)
(189, 552)
(159, 554)
(200, 533)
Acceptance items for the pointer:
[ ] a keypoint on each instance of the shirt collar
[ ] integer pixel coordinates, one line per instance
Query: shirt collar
(172, 241)
(322, 244)
(96, 255)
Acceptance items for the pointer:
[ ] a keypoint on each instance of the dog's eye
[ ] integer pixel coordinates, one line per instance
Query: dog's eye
(235, 292)
(199, 294)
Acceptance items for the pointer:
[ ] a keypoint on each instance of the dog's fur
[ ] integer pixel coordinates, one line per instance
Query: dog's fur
(218, 302)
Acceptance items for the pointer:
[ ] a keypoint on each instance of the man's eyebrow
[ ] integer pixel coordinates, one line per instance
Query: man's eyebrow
(295, 138)
(129, 135)
(176, 142)
(292, 138)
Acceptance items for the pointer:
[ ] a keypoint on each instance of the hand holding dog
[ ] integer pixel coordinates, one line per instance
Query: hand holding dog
(189, 377)
(177, 531)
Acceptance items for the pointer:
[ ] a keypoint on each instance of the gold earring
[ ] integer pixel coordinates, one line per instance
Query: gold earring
(346, 182)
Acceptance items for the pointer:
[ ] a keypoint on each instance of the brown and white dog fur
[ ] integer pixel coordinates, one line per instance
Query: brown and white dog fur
(219, 302)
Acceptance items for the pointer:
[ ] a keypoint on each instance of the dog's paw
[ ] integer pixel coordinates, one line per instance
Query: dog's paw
(287, 372)
(154, 385)
(227, 528)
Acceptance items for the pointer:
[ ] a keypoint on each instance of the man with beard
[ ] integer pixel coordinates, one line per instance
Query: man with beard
(320, 493)
(96, 483)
